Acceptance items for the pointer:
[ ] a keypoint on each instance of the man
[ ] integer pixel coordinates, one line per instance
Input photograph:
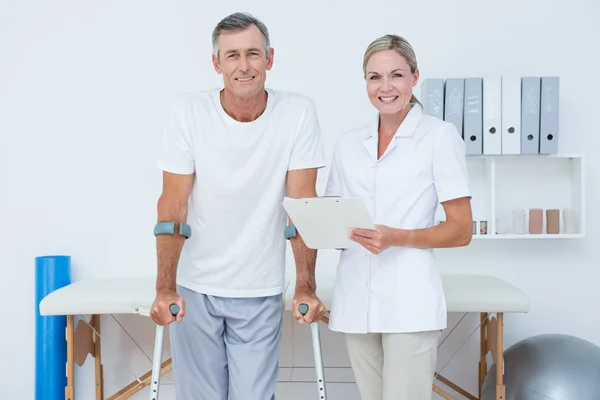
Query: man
(229, 157)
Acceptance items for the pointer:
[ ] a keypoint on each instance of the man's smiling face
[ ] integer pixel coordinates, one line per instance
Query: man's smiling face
(243, 61)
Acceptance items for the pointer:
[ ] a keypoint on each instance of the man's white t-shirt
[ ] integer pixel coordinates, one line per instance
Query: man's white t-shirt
(237, 248)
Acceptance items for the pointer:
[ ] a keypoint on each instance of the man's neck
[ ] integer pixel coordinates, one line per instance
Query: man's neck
(243, 109)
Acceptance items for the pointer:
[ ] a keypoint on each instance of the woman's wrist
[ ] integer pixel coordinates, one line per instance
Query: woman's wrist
(401, 237)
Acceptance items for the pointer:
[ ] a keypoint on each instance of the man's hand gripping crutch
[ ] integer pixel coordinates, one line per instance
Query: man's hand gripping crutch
(318, 354)
(158, 352)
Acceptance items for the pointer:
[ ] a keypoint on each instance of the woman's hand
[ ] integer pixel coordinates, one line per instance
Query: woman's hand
(376, 241)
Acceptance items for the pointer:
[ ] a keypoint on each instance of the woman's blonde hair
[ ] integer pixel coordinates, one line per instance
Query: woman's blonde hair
(398, 44)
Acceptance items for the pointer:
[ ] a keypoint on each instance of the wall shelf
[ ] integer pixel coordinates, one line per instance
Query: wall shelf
(530, 236)
(501, 183)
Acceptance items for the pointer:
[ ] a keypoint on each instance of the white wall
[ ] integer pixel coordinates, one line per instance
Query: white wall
(84, 87)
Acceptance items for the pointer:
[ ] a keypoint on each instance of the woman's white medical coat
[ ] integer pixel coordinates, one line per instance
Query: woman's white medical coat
(399, 290)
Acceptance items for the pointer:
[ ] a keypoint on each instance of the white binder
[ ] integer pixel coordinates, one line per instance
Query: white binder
(492, 115)
(324, 222)
(511, 115)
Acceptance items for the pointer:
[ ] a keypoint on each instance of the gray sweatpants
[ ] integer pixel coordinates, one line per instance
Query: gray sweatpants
(226, 348)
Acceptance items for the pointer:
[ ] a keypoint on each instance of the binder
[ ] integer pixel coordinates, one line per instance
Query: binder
(473, 117)
(454, 103)
(530, 115)
(492, 115)
(549, 115)
(511, 115)
(432, 97)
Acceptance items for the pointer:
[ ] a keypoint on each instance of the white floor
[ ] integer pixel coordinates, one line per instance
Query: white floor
(298, 384)
(289, 391)
(285, 391)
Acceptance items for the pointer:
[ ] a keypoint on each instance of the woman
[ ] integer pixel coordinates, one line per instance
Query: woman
(388, 297)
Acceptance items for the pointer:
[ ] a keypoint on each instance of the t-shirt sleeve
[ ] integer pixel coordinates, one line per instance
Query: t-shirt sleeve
(450, 173)
(308, 149)
(176, 151)
(334, 181)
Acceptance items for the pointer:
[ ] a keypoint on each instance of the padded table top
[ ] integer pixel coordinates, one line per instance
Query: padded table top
(135, 295)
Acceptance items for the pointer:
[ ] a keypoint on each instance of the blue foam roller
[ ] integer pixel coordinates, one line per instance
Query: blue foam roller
(51, 273)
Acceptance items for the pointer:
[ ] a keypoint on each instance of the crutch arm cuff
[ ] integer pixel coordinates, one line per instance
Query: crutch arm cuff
(168, 228)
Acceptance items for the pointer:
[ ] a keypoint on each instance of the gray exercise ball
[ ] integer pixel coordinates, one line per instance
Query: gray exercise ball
(548, 367)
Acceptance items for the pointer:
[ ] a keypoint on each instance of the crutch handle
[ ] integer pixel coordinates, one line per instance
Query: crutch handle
(174, 308)
(303, 308)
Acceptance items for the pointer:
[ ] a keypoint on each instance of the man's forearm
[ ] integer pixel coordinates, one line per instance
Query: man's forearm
(169, 247)
(302, 184)
(445, 235)
(306, 260)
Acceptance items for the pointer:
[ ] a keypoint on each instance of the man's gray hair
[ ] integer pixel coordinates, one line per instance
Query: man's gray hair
(238, 22)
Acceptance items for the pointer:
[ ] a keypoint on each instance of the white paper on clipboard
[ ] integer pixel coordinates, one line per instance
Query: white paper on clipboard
(324, 222)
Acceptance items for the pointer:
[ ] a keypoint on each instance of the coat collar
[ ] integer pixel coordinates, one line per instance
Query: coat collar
(406, 129)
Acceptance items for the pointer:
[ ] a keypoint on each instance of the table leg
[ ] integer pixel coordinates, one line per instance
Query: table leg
(99, 373)
(70, 389)
(500, 389)
(483, 345)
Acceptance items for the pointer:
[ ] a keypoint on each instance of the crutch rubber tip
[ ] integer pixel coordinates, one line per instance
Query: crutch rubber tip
(303, 309)
(174, 308)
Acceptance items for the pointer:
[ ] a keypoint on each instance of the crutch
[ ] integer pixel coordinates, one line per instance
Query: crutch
(158, 350)
(316, 342)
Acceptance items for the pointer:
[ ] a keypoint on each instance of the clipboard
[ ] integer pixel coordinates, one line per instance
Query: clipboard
(324, 222)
